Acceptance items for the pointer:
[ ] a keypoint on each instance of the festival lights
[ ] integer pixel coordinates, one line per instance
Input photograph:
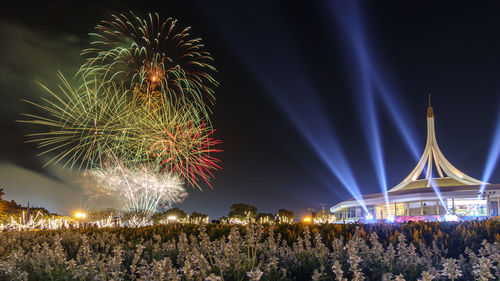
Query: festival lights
(369, 217)
(451, 217)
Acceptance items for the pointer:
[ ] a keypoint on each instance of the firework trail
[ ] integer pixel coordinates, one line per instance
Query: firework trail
(81, 127)
(151, 54)
(138, 189)
(186, 149)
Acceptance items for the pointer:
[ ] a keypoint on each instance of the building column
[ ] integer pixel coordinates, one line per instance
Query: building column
(421, 207)
(453, 205)
(488, 207)
(407, 211)
(395, 209)
(437, 207)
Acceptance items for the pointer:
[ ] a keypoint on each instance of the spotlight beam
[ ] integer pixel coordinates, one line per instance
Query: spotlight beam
(400, 120)
(492, 159)
(291, 88)
(309, 118)
(438, 193)
(349, 18)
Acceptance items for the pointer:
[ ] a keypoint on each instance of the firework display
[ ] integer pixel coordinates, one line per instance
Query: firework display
(81, 127)
(140, 189)
(138, 123)
(152, 54)
(185, 149)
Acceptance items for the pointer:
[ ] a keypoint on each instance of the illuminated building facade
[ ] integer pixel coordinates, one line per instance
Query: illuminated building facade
(451, 192)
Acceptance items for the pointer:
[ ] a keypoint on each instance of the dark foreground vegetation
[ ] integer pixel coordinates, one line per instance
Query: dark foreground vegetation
(412, 251)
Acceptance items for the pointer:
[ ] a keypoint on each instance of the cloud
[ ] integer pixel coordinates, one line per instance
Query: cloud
(27, 55)
(61, 196)
(30, 55)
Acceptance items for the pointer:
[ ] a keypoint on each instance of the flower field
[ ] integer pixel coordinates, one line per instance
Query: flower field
(413, 251)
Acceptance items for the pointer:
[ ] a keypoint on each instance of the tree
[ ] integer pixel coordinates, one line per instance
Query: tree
(195, 214)
(242, 211)
(285, 216)
(169, 216)
(196, 217)
(97, 215)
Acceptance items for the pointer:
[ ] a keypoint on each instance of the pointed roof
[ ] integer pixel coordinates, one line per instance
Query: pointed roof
(433, 156)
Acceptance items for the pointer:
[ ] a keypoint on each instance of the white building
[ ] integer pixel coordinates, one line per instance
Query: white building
(415, 198)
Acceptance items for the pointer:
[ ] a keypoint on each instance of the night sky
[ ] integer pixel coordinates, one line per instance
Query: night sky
(293, 92)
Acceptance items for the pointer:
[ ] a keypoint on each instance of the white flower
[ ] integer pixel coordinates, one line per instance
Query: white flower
(254, 274)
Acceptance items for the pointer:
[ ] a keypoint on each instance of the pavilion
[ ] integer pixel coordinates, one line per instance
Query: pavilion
(451, 193)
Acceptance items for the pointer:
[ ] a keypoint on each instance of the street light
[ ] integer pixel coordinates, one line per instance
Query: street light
(80, 215)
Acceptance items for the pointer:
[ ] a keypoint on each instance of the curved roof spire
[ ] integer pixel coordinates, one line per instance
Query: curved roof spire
(430, 110)
(433, 156)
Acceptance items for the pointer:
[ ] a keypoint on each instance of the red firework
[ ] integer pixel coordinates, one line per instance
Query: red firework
(187, 151)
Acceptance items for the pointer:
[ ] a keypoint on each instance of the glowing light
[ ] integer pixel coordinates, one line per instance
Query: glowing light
(172, 218)
(324, 218)
(80, 215)
(390, 218)
(307, 219)
(138, 189)
(37, 221)
(451, 217)
(369, 217)
(438, 194)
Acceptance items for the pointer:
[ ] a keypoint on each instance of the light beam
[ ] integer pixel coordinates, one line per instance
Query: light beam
(349, 17)
(492, 159)
(284, 79)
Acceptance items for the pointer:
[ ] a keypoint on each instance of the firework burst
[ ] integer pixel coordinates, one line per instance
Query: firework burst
(151, 53)
(186, 149)
(138, 188)
(80, 127)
